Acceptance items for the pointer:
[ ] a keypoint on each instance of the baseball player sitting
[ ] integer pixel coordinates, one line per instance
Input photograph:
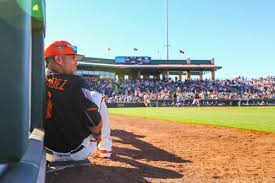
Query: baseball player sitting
(76, 120)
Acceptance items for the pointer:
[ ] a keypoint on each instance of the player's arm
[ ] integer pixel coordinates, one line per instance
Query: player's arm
(89, 109)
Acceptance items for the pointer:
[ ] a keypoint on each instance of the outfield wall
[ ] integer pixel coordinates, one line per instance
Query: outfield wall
(206, 103)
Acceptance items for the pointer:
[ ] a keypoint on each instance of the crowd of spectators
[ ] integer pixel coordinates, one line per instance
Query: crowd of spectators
(136, 91)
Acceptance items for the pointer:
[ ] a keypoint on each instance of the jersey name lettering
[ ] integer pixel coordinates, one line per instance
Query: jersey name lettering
(56, 83)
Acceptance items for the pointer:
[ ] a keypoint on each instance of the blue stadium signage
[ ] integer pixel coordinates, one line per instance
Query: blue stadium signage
(132, 60)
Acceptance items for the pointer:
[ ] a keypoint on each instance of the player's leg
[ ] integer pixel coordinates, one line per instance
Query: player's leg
(87, 148)
(105, 145)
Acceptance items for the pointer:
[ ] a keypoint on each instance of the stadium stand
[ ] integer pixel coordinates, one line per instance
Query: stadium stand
(133, 91)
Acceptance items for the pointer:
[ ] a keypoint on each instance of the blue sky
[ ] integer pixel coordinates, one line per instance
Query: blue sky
(239, 34)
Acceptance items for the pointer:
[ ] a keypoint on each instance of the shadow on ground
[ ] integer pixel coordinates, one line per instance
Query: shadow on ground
(125, 165)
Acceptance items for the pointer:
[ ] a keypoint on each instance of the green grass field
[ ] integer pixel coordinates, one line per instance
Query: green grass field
(251, 118)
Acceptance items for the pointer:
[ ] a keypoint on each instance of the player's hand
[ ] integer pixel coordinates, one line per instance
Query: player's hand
(98, 138)
(96, 131)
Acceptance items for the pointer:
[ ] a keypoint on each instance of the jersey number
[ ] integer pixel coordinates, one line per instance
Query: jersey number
(49, 106)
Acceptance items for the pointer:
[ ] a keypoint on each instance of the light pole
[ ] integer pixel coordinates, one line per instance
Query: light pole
(166, 26)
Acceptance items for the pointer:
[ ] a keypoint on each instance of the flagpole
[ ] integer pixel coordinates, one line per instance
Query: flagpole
(166, 18)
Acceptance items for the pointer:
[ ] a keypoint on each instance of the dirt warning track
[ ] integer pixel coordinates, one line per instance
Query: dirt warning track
(148, 150)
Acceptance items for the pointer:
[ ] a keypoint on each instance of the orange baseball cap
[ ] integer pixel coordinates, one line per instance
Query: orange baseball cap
(62, 48)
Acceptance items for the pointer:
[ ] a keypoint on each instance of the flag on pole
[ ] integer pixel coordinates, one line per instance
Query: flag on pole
(135, 49)
(181, 51)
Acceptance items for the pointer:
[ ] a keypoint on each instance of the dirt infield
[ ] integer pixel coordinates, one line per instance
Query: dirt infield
(157, 151)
